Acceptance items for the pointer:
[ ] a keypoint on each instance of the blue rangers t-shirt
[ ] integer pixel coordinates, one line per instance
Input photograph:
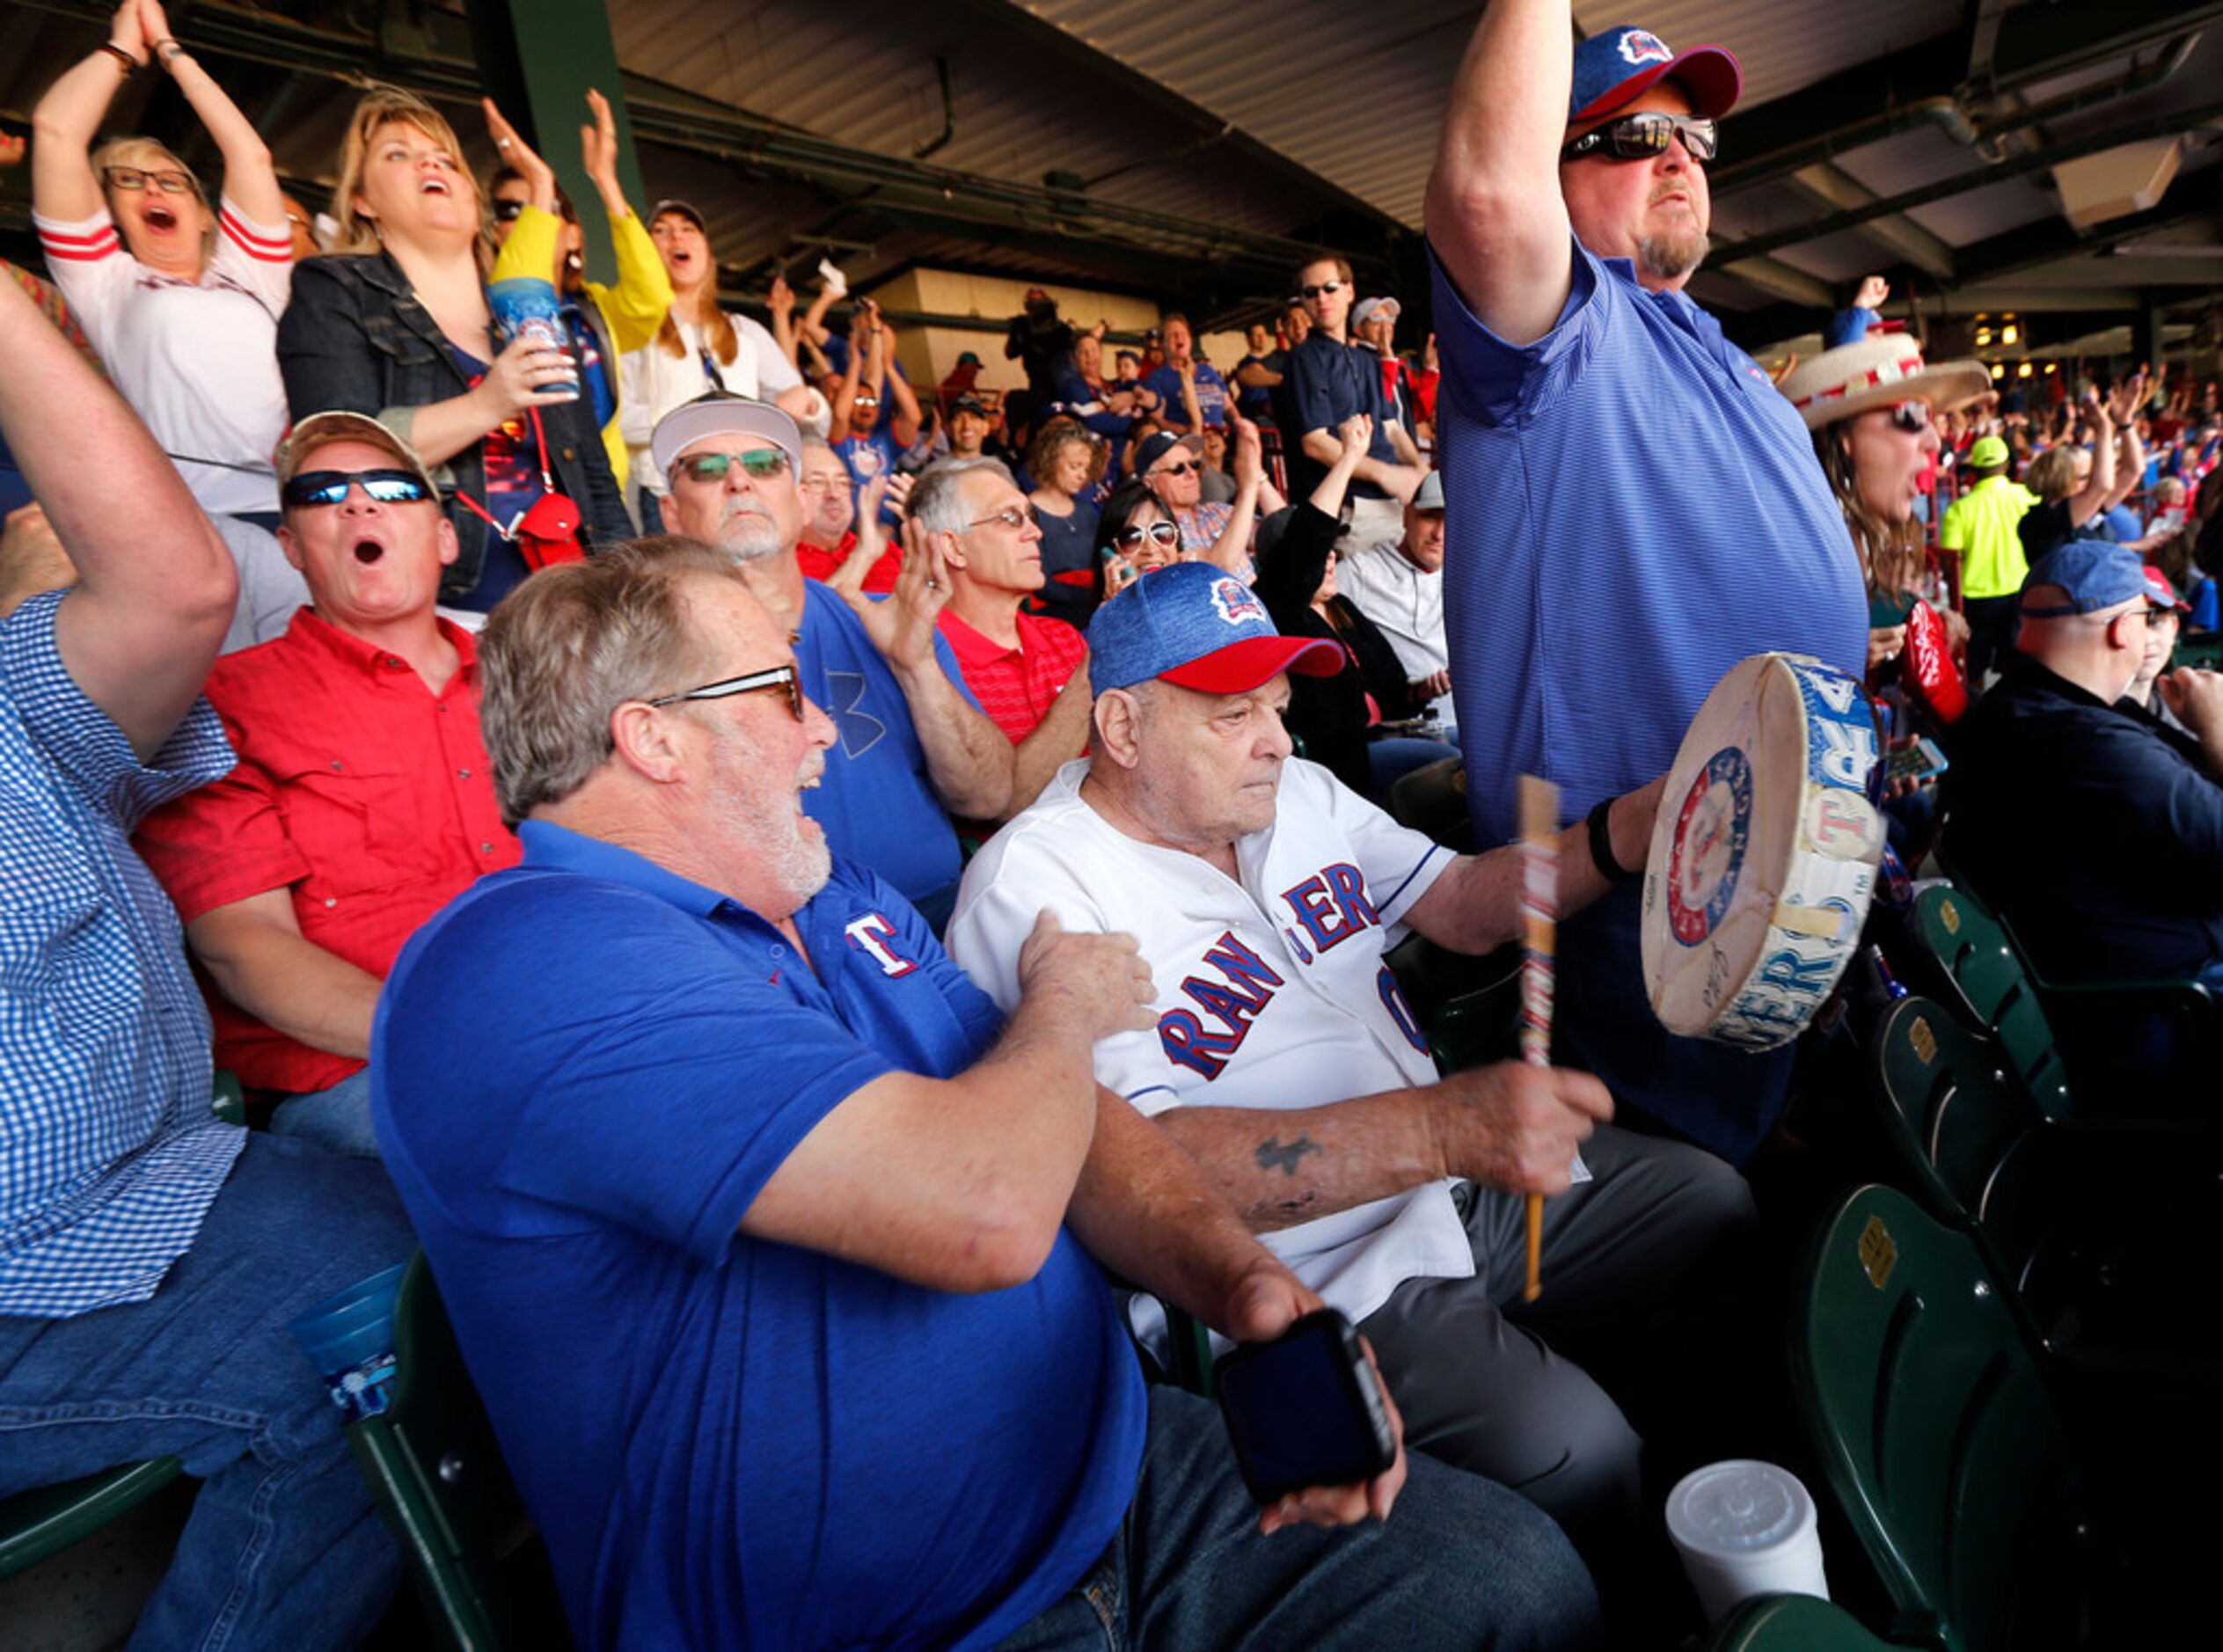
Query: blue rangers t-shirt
(727, 1441)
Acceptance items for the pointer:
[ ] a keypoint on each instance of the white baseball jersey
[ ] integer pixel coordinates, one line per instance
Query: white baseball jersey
(1405, 604)
(1272, 992)
(198, 361)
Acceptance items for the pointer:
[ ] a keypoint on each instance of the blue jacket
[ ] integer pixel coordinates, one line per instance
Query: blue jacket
(356, 336)
(2097, 833)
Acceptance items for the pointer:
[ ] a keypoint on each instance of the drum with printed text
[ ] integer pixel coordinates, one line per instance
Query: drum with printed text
(1764, 855)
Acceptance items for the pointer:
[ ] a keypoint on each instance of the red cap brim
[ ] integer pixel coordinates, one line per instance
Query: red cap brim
(1709, 75)
(1242, 666)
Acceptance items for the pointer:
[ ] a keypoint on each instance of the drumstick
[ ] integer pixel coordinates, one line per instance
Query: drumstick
(1540, 914)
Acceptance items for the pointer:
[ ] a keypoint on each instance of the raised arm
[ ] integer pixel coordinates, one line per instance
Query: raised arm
(249, 179)
(155, 584)
(2088, 501)
(1061, 736)
(1231, 550)
(1494, 212)
(62, 187)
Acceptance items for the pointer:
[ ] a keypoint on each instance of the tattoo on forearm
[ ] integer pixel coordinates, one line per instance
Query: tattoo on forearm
(1272, 1155)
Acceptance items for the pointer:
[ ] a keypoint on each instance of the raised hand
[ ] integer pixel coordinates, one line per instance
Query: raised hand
(539, 177)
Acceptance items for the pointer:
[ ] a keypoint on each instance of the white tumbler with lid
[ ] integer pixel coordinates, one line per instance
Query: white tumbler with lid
(1745, 1528)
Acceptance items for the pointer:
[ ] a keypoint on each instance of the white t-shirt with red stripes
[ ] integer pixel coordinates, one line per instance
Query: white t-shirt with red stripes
(197, 361)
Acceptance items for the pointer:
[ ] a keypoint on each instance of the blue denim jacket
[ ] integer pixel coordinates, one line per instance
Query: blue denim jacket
(355, 336)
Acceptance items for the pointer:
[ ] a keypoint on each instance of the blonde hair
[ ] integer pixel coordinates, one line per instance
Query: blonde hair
(718, 330)
(145, 153)
(390, 106)
(2053, 475)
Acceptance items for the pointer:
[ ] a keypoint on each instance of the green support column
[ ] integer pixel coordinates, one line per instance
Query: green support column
(536, 59)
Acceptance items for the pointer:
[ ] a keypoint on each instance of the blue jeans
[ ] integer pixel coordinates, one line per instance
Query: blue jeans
(338, 1118)
(283, 1548)
(1460, 1562)
(1390, 761)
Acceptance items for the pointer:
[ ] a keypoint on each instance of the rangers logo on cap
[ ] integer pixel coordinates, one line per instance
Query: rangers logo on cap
(1641, 45)
(1237, 604)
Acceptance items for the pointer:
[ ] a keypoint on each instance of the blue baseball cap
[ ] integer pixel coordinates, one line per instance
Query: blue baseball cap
(2094, 574)
(1618, 65)
(1196, 627)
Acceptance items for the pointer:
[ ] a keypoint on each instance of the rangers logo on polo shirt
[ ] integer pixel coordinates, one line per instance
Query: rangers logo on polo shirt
(1641, 45)
(1237, 602)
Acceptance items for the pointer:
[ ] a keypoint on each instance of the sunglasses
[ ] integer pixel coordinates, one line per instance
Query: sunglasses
(508, 211)
(1912, 417)
(1641, 137)
(762, 466)
(1156, 532)
(1323, 288)
(779, 677)
(169, 183)
(865, 401)
(329, 487)
(1181, 469)
(1014, 517)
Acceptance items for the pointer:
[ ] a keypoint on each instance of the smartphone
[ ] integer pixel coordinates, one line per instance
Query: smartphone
(1305, 1409)
(1919, 761)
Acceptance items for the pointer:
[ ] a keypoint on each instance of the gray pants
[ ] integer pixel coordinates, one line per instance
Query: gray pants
(1646, 1271)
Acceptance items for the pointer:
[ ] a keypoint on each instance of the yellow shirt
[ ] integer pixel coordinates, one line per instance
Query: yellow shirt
(632, 309)
(1981, 525)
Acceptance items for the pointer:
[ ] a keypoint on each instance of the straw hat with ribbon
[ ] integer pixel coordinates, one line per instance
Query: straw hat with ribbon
(1877, 371)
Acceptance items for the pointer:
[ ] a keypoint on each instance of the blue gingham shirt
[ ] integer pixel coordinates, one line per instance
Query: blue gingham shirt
(108, 1155)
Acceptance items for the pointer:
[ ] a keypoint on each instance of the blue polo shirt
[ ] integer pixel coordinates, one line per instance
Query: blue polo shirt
(877, 803)
(1325, 383)
(1631, 507)
(727, 1441)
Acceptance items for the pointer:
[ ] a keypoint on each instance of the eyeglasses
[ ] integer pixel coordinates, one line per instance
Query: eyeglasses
(169, 183)
(329, 487)
(1181, 469)
(779, 677)
(1162, 533)
(1324, 287)
(1912, 417)
(1641, 137)
(760, 466)
(506, 211)
(864, 401)
(1014, 517)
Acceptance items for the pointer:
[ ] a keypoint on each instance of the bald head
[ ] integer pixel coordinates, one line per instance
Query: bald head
(2100, 652)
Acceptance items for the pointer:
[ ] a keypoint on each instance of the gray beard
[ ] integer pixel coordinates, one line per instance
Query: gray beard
(748, 538)
(1669, 258)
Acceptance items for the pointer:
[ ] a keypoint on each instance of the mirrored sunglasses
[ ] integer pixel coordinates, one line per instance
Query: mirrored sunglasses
(762, 466)
(1641, 137)
(329, 487)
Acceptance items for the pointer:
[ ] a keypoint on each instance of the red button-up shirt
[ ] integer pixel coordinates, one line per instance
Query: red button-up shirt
(1015, 686)
(820, 564)
(357, 788)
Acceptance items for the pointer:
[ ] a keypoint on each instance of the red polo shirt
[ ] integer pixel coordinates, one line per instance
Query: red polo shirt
(357, 788)
(820, 564)
(1015, 686)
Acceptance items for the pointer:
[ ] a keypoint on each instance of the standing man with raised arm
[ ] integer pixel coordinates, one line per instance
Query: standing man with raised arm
(1632, 507)
(129, 1218)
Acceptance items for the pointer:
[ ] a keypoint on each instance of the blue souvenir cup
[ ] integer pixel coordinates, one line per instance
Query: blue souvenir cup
(525, 307)
(349, 1339)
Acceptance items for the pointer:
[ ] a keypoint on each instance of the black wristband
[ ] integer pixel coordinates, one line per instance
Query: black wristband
(1602, 845)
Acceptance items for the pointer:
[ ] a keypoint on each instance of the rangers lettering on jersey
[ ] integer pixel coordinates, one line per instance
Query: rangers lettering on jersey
(1235, 1005)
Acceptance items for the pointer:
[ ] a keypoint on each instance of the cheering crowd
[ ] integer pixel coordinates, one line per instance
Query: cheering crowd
(545, 763)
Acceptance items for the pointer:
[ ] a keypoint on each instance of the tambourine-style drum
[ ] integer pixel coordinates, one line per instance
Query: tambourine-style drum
(1764, 855)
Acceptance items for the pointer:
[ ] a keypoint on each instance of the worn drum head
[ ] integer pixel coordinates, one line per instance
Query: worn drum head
(1763, 858)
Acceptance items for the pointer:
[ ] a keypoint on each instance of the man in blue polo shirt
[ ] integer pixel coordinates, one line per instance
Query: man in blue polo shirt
(913, 747)
(1330, 379)
(762, 1230)
(1633, 508)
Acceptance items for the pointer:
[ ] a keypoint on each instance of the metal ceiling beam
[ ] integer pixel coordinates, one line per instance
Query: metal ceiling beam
(1921, 85)
(1961, 183)
(1780, 280)
(1834, 187)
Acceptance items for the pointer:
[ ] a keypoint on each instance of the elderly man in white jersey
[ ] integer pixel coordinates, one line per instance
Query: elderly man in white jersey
(1286, 1061)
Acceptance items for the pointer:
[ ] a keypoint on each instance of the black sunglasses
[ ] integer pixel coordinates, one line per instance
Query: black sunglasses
(1181, 469)
(506, 211)
(329, 487)
(781, 677)
(1643, 137)
(1325, 287)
